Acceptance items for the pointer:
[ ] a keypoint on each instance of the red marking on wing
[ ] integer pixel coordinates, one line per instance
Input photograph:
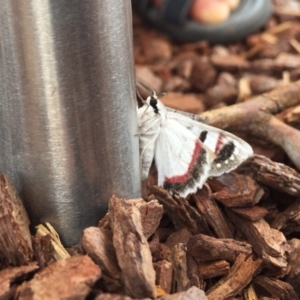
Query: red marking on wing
(184, 177)
(219, 144)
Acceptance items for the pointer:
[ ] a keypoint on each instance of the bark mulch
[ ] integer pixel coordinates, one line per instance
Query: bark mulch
(236, 238)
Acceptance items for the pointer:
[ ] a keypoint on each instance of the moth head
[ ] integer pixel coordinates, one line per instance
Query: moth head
(152, 100)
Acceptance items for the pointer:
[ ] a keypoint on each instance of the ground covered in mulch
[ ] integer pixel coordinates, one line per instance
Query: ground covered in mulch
(236, 238)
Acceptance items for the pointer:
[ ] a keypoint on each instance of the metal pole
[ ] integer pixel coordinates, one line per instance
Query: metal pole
(67, 108)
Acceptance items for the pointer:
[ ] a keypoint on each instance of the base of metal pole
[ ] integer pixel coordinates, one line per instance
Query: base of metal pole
(67, 109)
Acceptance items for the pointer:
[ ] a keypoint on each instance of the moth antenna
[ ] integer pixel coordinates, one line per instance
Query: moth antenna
(140, 97)
(147, 88)
(144, 86)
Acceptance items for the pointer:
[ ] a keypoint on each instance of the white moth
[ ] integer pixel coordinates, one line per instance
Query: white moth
(186, 151)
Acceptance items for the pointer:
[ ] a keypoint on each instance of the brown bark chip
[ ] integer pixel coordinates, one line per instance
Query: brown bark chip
(179, 262)
(10, 276)
(293, 277)
(268, 243)
(164, 275)
(275, 288)
(238, 191)
(151, 214)
(203, 74)
(208, 270)
(180, 209)
(180, 236)
(97, 243)
(239, 276)
(206, 248)
(15, 239)
(209, 209)
(71, 278)
(275, 175)
(254, 213)
(288, 220)
(132, 250)
(229, 62)
(43, 250)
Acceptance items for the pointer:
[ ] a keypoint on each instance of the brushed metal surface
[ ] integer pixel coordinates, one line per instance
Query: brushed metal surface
(67, 108)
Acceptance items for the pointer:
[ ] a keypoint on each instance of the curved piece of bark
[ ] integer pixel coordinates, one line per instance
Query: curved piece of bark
(256, 116)
(239, 276)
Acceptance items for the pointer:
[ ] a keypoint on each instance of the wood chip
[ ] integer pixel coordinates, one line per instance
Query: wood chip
(275, 287)
(203, 66)
(211, 212)
(268, 243)
(132, 249)
(238, 277)
(97, 243)
(293, 277)
(59, 251)
(151, 214)
(180, 236)
(164, 275)
(71, 278)
(181, 209)
(15, 238)
(229, 62)
(254, 213)
(289, 219)
(208, 270)
(275, 175)
(43, 250)
(179, 263)
(11, 277)
(159, 251)
(199, 246)
(238, 190)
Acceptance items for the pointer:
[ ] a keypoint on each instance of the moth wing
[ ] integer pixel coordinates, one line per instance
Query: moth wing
(149, 130)
(182, 162)
(183, 113)
(226, 150)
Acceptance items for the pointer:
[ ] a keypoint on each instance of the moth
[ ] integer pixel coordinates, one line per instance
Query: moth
(186, 152)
